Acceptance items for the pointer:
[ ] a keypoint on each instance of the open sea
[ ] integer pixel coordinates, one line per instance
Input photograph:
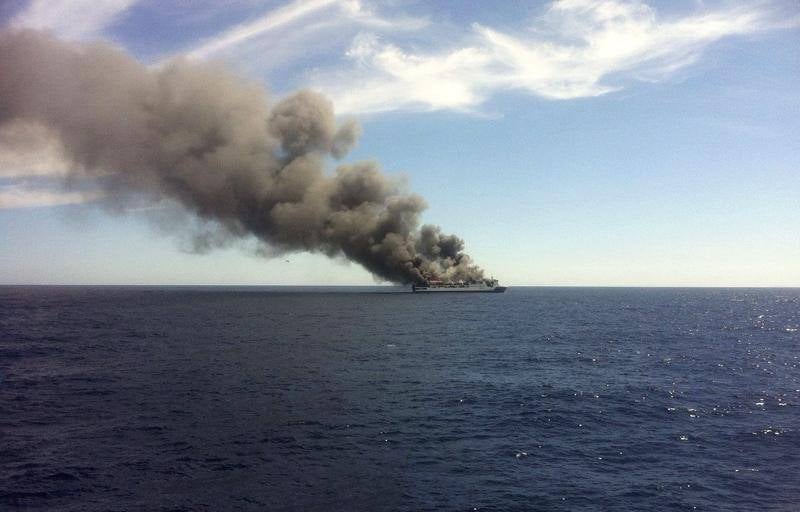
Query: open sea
(355, 399)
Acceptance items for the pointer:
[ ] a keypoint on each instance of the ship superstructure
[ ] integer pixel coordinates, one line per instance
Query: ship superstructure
(436, 286)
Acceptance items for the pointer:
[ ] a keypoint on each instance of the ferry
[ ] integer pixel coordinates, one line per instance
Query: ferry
(435, 286)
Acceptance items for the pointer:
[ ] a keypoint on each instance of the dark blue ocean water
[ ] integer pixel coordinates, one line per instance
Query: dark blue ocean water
(264, 399)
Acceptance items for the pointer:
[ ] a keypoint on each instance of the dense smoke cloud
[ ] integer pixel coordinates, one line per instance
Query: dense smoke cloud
(193, 133)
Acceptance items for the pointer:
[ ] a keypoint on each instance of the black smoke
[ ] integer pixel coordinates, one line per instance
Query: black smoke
(197, 135)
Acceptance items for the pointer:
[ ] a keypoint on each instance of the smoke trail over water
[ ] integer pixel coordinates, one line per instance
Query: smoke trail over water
(195, 134)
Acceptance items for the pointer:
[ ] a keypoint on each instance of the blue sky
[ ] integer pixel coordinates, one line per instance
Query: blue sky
(579, 142)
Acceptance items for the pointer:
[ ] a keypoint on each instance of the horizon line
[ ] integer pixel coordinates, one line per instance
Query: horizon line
(217, 285)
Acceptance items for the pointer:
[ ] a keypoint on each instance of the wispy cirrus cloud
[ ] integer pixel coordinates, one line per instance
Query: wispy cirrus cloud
(27, 195)
(72, 19)
(28, 149)
(313, 14)
(33, 167)
(272, 21)
(576, 49)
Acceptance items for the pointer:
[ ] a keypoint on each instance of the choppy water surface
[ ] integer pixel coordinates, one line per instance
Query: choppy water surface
(537, 399)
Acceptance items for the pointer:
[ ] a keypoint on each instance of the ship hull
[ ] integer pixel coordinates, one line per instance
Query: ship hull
(458, 289)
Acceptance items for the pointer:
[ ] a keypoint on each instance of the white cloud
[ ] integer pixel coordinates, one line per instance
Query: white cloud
(317, 16)
(22, 195)
(273, 20)
(28, 149)
(362, 14)
(33, 167)
(72, 19)
(577, 48)
(387, 78)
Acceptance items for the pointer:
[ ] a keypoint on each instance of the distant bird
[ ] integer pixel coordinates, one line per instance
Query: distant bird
(522, 454)
(287, 261)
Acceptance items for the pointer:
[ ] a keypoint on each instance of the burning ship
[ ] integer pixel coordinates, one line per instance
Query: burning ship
(434, 285)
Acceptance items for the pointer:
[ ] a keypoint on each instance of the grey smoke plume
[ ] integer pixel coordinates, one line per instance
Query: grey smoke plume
(197, 135)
